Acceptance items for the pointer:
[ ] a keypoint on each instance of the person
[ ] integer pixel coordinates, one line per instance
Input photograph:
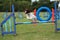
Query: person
(30, 15)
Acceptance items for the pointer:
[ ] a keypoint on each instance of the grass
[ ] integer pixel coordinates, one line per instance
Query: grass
(30, 32)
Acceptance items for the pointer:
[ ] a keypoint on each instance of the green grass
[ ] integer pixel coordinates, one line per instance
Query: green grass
(30, 32)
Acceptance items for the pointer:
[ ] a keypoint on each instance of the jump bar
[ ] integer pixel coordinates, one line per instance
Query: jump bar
(33, 22)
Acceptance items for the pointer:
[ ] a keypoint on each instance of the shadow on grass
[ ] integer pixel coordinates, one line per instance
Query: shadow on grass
(32, 32)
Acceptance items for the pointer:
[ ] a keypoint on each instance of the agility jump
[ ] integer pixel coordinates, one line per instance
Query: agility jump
(38, 18)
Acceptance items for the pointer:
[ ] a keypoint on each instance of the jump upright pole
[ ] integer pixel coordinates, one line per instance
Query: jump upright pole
(56, 24)
(55, 4)
(14, 18)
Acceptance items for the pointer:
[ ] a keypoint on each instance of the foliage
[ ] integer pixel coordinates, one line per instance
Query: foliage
(23, 4)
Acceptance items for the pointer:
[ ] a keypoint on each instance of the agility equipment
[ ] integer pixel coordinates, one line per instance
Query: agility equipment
(53, 18)
(38, 12)
(56, 20)
(38, 17)
(35, 12)
(12, 29)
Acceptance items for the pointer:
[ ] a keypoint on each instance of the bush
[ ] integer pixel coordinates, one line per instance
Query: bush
(22, 5)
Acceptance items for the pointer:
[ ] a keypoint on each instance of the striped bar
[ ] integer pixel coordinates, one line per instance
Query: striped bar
(33, 22)
(26, 22)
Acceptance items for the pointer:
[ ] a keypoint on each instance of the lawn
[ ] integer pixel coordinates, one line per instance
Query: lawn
(41, 31)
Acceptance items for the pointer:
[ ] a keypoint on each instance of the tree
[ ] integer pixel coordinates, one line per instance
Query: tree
(22, 5)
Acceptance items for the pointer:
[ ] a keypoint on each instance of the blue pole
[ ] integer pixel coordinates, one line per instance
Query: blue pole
(13, 8)
(0, 28)
(55, 4)
(14, 18)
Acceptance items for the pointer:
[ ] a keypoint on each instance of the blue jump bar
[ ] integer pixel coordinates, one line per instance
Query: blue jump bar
(8, 32)
(58, 29)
